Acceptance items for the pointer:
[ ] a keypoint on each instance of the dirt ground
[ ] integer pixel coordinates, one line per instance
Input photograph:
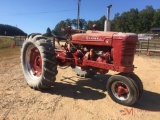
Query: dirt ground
(75, 98)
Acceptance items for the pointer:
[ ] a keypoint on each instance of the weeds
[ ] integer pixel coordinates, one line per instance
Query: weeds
(6, 42)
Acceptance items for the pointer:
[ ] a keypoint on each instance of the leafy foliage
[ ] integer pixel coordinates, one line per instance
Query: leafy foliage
(9, 30)
(156, 19)
(136, 21)
(48, 32)
(99, 23)
(68, 22)
(131, 21)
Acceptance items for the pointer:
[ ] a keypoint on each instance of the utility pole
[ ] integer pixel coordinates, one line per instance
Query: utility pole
(78, 17)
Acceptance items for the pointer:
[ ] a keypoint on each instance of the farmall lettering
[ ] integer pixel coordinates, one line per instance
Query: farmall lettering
(93, 38)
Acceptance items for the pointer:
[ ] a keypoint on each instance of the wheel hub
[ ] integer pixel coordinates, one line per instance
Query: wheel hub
(120, 90)
(36, 62)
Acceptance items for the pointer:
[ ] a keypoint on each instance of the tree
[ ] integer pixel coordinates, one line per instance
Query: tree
(156, 21)
(133, 20)
(82, 23)
(146, 16)
(115, 22)
(100, 23)
(9, 30)
(60, 25)
(48, 32)
(89, 25)
(130, 21)
(68, 22)
(74, 23)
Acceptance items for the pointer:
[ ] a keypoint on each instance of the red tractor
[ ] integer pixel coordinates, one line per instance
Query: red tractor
(87, 53)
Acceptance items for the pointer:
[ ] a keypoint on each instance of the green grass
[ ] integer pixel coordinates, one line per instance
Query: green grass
(9, 52)
(5, 47)
(6, 42)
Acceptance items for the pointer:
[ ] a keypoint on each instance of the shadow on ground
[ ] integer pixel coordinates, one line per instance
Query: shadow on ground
(83, 88)
(93, 89)
(149, 101)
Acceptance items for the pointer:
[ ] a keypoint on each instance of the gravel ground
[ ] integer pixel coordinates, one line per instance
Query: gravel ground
(75, 98)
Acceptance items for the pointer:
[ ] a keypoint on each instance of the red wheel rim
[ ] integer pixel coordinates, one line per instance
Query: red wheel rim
(120, 90)
(36, 62)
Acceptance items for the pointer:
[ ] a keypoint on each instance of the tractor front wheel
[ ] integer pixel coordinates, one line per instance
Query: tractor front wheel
(122, 90)
(137, 81)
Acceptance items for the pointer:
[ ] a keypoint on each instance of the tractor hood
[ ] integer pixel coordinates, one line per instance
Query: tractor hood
(93, 37)
(98, 37)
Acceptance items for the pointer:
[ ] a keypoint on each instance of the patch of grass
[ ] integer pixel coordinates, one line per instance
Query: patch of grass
(8, 52)
(6, 42)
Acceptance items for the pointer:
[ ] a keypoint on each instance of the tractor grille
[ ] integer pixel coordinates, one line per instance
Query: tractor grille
(128, 50)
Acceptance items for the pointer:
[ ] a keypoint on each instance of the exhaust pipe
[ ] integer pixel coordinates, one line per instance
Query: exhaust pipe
(107, 21)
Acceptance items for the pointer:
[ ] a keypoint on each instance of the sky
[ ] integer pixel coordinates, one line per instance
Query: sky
(35, 16)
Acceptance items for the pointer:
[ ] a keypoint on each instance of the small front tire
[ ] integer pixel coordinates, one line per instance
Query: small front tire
(122, 90)
(137, 81)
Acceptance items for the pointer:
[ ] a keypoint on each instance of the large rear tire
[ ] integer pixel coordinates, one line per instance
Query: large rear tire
(38, 61)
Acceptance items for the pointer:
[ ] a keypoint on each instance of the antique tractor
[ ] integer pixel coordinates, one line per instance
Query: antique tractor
(87, 53)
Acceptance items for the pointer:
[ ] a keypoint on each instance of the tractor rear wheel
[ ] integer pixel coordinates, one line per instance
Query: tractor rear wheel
(122, 90)
(38, 61)
(89, 73)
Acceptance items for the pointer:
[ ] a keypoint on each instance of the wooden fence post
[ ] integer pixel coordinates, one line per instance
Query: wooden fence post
(14, 40)
(148, 45)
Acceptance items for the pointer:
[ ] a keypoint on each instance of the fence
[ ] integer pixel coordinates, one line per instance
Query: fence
(148, 46)
(142, 45)
(19, 40)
